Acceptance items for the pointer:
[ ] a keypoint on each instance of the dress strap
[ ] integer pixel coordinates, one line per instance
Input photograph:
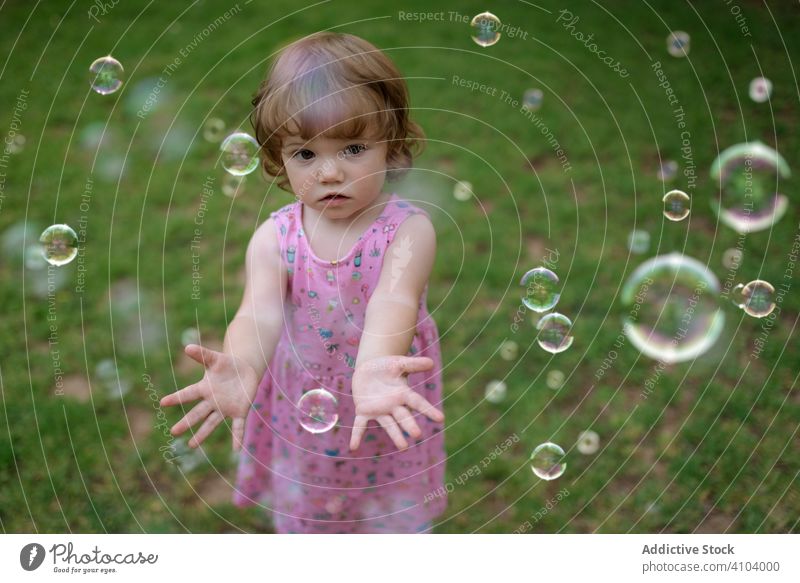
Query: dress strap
(397, 212)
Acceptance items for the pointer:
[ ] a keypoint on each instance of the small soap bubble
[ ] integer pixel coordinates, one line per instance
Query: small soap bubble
(541, 289)
(214, 130)
(190, 336)
(638, 241)
(547, 461)
(509, 350)
(676, 205)
(462, 190)
(532, 99)
(732, 258)
(554, 333)
(750, 176)
(756, 298)
(485, 29)
(34, 259)
(16, 144)
(495, 391)
(555, 379)
(233, 186)
(109, 378)
(318, 411)
(588, 442)
(667, 171)
(760, 89)
(59, 244)
(678, 43)
(239, 154)
(106, 75)
(185, 457)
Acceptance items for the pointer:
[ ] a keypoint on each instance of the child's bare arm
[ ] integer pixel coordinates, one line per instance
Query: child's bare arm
(380, 387)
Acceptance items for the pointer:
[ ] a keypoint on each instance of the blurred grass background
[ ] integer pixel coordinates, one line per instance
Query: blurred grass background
(713, 449)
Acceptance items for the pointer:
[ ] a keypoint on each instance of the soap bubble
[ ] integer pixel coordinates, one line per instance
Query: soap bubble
(555, 379)
(667, 171)
(15, 145)
(485, 29)
(239, 154)
(673, 308)
(757, 298)
(59, 244)
(318, 411)
(509, 350)
(532, 99)
(34, 260)
(214, 129)
(106, 75)
(462, 190)
(749, 175)
(547, 461)
(185, 457)
(110, 379)
(760, 89)
(732, 258)
(676, 205)
(233, 186)
(678, 43)
(541, 289)
(588, 442)
(638, 241)
(148, 96)
(495, 391)
(190, 336)
(554, 333)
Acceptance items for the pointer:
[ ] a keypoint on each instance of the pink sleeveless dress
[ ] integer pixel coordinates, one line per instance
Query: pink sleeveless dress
(312, 482)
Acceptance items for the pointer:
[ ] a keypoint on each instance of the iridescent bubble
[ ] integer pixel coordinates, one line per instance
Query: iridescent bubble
(673, 308)
(233, 186)
(757, 298)
(554, 333)
(532, 99)
(462, 190)
(495, 391)
(732, 258)
(16, 145)
(110, 379)
(148, 96)
(678, 43)
(555, 379)
(760, 89)
(509, 350)
(318, 411)
(588, 442)
(106, 75)
(59, 244)
(676, 205)
(485, 29)
(750, 177)
(638, 241)
(667, 171)
(214, 130)
(547, 461)
(541, 289)
(239, 154)
(190, 336)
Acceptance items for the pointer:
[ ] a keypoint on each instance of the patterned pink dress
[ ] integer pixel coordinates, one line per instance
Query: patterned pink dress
(312, 482)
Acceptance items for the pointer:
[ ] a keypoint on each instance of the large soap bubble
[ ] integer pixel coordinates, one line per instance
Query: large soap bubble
(749, 176)
(674, 313)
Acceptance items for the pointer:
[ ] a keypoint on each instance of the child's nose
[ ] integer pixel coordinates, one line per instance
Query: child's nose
(330, 171)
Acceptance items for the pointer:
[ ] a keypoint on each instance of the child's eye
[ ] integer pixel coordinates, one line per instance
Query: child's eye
(354, 149)
(304, 154)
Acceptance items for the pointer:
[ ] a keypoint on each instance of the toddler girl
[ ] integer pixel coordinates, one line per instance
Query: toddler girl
(335, 298)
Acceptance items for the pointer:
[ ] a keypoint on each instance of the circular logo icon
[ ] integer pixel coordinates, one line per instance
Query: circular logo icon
(31, 556)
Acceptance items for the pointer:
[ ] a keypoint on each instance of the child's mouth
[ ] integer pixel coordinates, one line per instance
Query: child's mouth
(334, 198)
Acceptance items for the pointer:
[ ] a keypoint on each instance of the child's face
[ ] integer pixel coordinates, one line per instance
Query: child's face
(354, 169)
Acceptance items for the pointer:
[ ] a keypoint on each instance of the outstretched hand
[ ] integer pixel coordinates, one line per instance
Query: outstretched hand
(226, 390)
(381, 392)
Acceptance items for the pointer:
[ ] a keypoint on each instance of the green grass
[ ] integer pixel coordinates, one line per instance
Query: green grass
(712, 448)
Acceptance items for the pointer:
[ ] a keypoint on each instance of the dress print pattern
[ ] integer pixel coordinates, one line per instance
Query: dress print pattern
(312, 482)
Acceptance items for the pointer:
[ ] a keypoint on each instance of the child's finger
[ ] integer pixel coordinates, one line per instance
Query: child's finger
(411, 364)
(197, 414)
(421, 404)
(237, 429)
(389, 424)
(211, 422)
(406, 421)
(359, 427)
(190, 393)
(201, 354)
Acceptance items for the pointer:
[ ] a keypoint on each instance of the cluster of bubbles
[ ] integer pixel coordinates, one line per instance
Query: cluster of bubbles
(541, 295)
(318, 411)
(760, 89)
(674, 313)
(749, 177)
(239, 154)
(547, 461)
(676, 205)
(756, 298)
(462, 191)
(106, 75)
(678, 43)
(485, 29)
(638, 241)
